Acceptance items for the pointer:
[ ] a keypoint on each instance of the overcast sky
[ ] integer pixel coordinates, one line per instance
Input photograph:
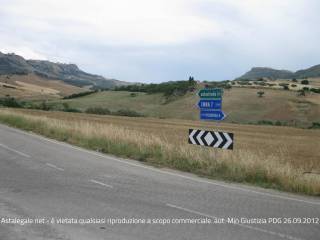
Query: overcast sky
(162, 40)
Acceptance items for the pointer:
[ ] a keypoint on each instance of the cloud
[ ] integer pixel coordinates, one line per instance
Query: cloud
(160, 40)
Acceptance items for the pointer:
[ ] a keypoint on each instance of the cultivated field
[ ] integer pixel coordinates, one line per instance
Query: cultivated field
(277, 157)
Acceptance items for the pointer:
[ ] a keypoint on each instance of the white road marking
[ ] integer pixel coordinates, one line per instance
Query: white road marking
(54, 166)
(15, 151)
(199, 180)
(101, 183)
(238, 224)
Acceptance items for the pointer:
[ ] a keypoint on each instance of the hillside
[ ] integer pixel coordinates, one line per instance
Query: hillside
(264, 72)
(276, 105)
(69, 73)
(312, 72)
(31, 86)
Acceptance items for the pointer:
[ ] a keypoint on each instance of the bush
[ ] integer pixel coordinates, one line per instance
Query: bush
(265, 122)
(10, 102)
(315, 125)
(98, 110)
(82, 94)
(260, 93)
(127, 113)
(167, 88)
(285, 88)
(315, 90)
(44, 106)
(305, 82)
(301, 92)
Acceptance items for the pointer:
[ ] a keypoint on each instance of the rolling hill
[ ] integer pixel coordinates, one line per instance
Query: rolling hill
(11, 64)
(241, 105)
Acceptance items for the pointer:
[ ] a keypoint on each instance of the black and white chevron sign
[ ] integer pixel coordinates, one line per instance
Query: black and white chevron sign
(211, 138)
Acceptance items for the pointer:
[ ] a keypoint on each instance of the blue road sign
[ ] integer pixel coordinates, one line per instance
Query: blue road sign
(210, 104)
(216, 115)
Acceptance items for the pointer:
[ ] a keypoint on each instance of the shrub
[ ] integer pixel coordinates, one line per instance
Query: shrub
(265, 122)
(128, 113)
(98, 110)
(315, 90)
(278, 123)
(10, 102)
(167, 88)
(82, 94)
(260, 93)
(44, 106)
(301, 92)
(305, 82)
(75, 110)
(315, 125)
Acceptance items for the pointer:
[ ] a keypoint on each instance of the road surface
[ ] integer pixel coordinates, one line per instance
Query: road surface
(44, 180)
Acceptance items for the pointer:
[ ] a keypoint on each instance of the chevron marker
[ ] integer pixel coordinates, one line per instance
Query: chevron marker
(214, 139)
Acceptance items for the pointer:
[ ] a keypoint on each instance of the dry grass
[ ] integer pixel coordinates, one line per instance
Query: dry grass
(31, 86)
(267, 156)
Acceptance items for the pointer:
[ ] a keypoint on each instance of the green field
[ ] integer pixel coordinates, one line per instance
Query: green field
(242, 105)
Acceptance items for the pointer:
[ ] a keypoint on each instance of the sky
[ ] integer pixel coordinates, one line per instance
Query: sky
(164, 40)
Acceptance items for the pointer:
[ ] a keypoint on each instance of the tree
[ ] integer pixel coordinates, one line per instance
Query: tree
(191, 79)
(260, 93)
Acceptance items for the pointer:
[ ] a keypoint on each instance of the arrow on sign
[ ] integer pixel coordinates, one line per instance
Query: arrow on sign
(210, 104)
(211, 138)
(216, 115)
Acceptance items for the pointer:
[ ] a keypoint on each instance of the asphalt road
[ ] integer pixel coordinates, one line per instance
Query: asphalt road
(44, 180)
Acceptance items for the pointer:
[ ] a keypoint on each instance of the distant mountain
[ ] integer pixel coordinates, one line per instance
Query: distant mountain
(309, 72)
(69, 73)
(264, 72)
(261, 72)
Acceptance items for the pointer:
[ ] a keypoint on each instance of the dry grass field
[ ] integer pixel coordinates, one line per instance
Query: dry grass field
(32, 86)
(268, 156)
